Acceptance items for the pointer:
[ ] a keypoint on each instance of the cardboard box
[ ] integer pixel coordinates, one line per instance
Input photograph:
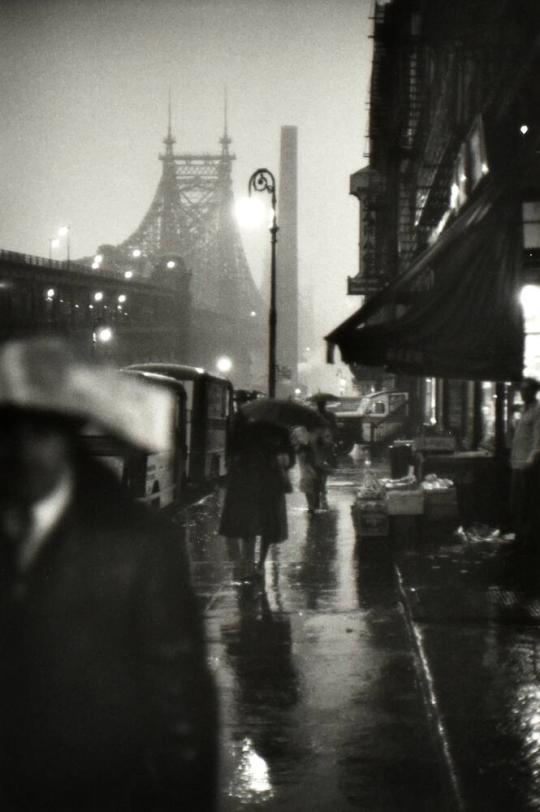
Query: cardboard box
(405, 502)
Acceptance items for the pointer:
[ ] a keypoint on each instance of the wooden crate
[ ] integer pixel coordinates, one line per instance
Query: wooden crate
(405, 502)
(440, 504)
(370, 517)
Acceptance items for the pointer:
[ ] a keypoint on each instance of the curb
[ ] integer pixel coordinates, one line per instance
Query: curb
(430, 700)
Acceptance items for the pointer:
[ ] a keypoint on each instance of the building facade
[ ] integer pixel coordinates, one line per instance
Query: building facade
(449, 209)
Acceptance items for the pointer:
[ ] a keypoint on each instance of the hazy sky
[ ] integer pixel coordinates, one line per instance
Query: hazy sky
(83, 111)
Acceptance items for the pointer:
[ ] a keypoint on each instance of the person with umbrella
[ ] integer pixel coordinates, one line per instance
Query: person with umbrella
(257, 481)
(320, 400)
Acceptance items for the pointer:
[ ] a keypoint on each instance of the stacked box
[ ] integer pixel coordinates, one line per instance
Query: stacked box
(405, 502)
(440, 503)
(370, 517)
(438, 444)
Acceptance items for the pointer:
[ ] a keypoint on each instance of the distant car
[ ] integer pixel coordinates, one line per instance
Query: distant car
(241, 396)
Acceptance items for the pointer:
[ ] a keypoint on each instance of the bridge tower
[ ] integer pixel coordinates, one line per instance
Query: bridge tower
(191, 218)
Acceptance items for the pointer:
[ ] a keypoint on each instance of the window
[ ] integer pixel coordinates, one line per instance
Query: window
(531, 224)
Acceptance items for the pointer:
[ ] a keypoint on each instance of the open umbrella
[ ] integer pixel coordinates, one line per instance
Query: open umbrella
(323, 397)
(283, 412)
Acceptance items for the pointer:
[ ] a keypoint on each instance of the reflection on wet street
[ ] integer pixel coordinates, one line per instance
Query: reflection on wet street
(320, 703)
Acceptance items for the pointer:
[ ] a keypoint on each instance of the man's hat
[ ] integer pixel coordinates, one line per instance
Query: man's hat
(43, 374)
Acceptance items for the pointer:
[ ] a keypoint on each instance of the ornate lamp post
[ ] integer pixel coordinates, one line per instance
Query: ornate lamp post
(262, 180)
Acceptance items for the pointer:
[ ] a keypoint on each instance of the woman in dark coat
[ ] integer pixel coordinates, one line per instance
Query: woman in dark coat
(260, 456)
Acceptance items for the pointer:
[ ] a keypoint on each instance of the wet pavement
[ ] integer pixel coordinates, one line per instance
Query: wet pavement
(474, 611)
(322, 689)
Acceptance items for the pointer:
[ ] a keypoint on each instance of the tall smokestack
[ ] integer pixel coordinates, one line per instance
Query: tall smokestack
(287, 264)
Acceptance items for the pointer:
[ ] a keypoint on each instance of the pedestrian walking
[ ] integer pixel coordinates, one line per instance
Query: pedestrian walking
(525, 466)
(257, 481)
(328, 416)
(313, 452)
(308, 465)
(326, 460)
(106, 700)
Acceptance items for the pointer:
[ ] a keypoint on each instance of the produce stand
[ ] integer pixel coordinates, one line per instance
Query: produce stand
(404, 509)
(481, 480)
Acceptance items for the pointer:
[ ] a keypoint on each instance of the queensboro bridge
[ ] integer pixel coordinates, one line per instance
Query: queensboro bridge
(190, 225)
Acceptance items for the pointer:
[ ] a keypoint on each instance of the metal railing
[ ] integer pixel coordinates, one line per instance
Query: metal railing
(56, 264)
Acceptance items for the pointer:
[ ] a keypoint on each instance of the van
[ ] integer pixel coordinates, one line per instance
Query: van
(371, 419)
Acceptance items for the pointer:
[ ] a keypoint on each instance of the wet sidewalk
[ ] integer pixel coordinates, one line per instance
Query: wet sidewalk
(474, 610)
(321, 687)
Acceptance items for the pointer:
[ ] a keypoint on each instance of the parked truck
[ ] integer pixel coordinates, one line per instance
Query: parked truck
(375, 419)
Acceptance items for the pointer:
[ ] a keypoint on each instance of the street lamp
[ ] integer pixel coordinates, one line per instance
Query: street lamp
(224, 364)
(262, 180)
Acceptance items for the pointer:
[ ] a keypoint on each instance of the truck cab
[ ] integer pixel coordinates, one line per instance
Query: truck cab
(373, 419)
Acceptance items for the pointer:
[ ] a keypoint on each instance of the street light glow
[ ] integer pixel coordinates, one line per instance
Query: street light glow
(128, 274)
(224, 364)
(530, 298)
(249, 211)
(136, 252)
(122, 297)
(104, 335)
(98, 297)
(171, 264)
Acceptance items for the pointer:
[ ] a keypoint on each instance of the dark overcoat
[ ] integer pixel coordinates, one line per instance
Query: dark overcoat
(254, 503)
(106, 701)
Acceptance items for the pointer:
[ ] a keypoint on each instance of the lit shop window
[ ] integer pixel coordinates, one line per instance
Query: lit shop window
(531, 224)
(530, 302)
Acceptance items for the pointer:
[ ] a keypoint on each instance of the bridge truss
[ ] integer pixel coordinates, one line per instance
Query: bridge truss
(191, 216)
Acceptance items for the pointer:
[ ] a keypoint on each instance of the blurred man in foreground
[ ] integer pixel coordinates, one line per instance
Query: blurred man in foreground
(106, 701)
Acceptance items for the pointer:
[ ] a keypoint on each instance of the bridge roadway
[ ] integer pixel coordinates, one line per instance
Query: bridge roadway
(321, 700)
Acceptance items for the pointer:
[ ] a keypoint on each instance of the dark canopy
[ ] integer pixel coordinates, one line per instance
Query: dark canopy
(468, 325)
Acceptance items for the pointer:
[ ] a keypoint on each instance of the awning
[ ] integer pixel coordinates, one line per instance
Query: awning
(468, 325)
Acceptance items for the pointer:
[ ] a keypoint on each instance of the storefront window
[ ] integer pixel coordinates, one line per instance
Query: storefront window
(531, 224)
(530, 302)
(430, 401)
(489, 397)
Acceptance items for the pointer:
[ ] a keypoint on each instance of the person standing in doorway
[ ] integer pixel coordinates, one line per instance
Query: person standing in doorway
(525, 465)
